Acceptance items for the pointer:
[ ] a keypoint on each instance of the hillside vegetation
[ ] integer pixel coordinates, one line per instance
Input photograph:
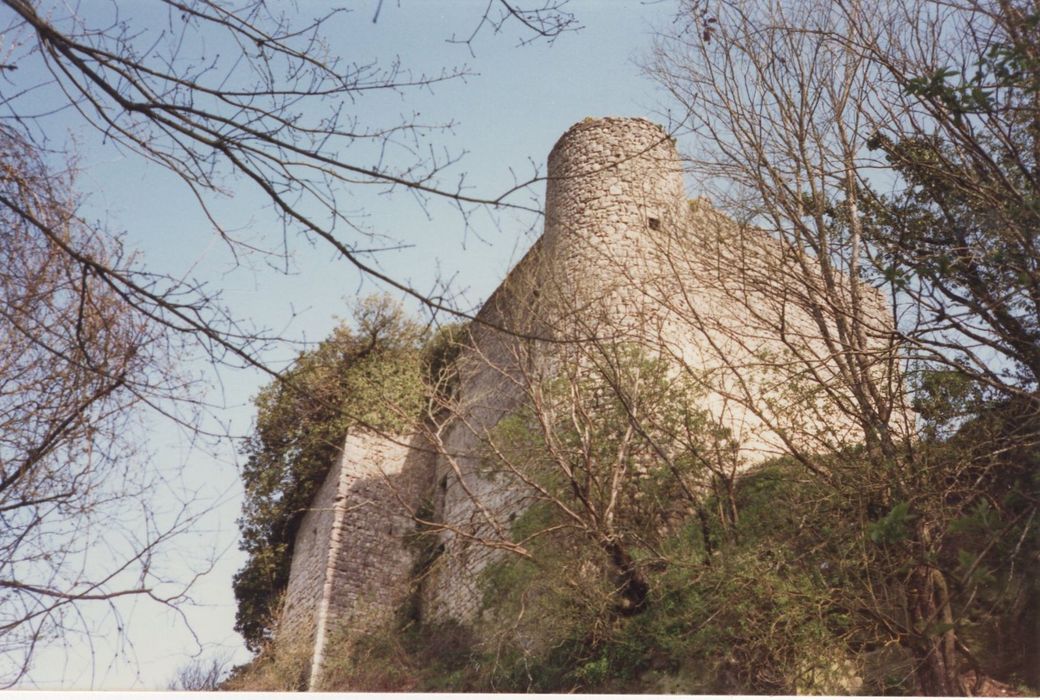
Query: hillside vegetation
(782, 580)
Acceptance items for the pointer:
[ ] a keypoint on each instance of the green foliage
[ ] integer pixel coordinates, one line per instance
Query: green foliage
(373, 375)
(784, 606)
(610, 438)
(415, 658)
(1009, 65)
(616, 446)
(775, 585)
(277, 667)
(893, 527)
(963, 233)
(944, 398)
(755, 616)
(992, 545)
(757, 620)
(439, 355)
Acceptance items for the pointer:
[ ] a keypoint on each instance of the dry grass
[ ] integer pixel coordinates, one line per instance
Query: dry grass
(279, 667)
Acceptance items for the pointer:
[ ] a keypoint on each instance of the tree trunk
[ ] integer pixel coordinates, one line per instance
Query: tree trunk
(702, 516)
(632, 584)
(935, 662)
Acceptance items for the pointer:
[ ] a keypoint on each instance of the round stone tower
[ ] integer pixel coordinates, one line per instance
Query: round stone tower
(614, 195)
(614, 200)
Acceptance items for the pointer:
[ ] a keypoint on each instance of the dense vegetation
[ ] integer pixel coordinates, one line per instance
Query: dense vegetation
(895, 141)
(791, 585)
(775, 582)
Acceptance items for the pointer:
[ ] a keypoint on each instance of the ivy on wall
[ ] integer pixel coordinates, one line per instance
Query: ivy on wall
(371, 374)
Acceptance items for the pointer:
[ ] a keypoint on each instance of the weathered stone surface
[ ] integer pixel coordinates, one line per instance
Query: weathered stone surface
(351, 566)
(606, 179)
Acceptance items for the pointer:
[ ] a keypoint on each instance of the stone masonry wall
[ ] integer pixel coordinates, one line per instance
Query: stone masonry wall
(351, 565)
(310, 560)
(614, 191)
(626, 259)
(475, 503)
(613, 185)
(382, 486)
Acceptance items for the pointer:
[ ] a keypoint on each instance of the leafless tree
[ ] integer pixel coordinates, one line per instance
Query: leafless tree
(601, 441)
(89, 333)
(270, 115)
(77, 363)
(783, 102)
(200, 675)
(954, 112)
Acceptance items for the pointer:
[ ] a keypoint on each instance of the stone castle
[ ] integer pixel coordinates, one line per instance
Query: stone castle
(625, 258)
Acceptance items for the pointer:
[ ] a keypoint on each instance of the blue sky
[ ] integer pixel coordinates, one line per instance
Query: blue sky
(508, 114)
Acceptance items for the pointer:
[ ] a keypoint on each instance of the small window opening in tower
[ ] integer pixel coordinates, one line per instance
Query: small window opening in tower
(654, 223)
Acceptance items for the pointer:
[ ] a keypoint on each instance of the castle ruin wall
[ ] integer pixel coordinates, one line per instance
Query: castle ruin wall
(625, 258)
(612, 186)
(352, 566)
